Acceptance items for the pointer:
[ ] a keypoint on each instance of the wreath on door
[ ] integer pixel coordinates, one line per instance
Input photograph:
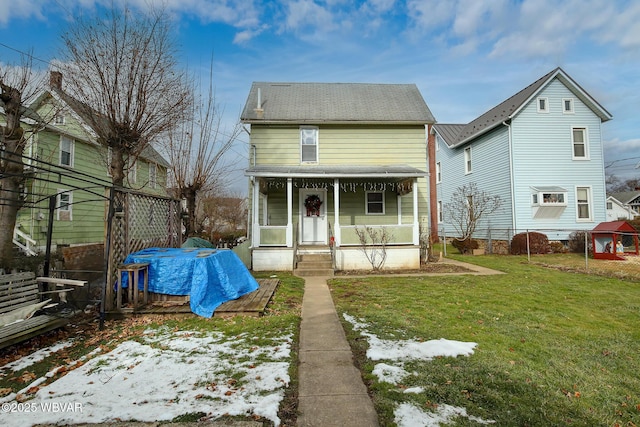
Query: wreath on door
(312, 204)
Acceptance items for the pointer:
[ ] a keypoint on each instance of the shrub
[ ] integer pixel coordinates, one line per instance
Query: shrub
(558, 247)
(538, 243)
(576, 242)
(465, 246)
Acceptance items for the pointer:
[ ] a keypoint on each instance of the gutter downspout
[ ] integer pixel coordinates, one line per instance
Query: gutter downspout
(513, 190)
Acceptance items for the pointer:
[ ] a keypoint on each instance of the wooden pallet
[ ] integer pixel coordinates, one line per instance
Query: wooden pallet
(252, 304)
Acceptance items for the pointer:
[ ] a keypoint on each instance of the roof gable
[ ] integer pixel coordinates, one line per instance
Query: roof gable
(335, 103)
(510, 108)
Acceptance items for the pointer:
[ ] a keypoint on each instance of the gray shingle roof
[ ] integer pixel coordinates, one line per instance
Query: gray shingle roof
(336, 103)
(509, 108)
(625, 197)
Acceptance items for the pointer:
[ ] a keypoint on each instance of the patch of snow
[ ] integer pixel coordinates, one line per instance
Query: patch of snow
(416, 390)
(409, 415)
(389, 373)
(165, 376)
(34, 357)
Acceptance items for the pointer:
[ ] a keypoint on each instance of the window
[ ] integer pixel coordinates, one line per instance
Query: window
(567, 105)
(549, 196)
(543, 106)
(467, 160)
(609, 205)
(309, 145)
(375, 203)
(59, 119)
(132, 170)
(440, 215)
(66, 151)
(583, 203)
(153, 175)
(579, 139)
(64, 202)
(438, 173)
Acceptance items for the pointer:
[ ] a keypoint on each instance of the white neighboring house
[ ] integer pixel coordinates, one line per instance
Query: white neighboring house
(623, 205)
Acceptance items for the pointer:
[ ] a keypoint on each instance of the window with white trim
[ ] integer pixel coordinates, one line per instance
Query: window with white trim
(467, 160)
(375, 203)
(438, 173)
(567, 105)
(66, 151)
(609, 206)
(579, 143)
(543, 105)
(59, 119)
(583, 203)
(132, 170)
(309, 145)
(64, 201)
(153, 175)
(549, 196)
(440, 215)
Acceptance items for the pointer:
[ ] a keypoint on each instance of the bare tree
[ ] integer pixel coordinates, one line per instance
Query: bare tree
(124, 73)
(223, 215)
(18, 87)
(467, 207)
(196, 152)
(373, 244)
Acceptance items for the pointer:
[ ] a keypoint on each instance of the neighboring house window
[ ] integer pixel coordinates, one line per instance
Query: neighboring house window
(132, 170)
(66, 151)
(59, 119)
(309, 145)
(583, 203)
(438, 173)
(64, 202)
(375, 203)
(467, 160)
(609, 205)
(543, 105)
(440, 218)
(579, 140)
(567, 105)
(153, 175)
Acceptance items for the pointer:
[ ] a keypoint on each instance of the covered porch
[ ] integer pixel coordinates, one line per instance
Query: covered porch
(330, 208)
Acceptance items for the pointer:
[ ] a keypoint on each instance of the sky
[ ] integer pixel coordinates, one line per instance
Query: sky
(465, 56)
(242, 379)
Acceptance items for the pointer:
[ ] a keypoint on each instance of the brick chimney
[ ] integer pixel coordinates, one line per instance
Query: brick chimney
(55, 80)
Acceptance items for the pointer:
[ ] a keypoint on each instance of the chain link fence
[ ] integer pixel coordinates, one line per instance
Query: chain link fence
(613, 254)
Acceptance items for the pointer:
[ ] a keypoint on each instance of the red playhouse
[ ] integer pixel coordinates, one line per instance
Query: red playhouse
(614, 239)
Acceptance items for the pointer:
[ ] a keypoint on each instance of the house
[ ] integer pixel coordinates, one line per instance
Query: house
(330, 159)
(623, 205)
(540, 150)
(65, 160)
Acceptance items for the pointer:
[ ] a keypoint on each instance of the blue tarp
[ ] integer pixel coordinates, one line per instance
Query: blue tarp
(209, 276)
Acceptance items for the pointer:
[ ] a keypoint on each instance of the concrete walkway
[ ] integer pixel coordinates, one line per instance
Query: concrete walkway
(330, 391)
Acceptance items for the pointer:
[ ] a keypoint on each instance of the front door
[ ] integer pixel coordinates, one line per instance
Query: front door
(313, 217)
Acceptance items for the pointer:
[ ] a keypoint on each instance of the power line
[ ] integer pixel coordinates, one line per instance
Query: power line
(25, 53)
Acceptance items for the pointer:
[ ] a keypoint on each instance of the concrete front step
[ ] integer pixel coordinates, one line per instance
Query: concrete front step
(317, 264)
(314, 272)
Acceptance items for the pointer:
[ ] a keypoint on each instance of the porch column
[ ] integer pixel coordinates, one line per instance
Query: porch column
(289, 212)
(416, 227)
(255, 215)
(336, 212)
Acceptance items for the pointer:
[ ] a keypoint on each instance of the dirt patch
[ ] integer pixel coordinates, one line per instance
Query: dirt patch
(431, 267)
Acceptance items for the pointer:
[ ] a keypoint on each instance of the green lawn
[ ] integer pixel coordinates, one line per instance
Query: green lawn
(554, 347)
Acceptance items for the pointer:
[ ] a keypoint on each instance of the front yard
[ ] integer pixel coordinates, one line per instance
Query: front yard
(552, 346)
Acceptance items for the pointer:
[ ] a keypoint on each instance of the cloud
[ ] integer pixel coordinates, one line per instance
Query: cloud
(21, 9)
(306, 17)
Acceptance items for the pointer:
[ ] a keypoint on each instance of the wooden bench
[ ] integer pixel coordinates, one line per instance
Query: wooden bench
(22, 291)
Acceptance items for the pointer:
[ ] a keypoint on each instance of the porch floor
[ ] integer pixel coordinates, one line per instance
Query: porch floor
(252, 305)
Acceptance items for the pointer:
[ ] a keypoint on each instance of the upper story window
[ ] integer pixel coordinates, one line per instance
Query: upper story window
(579, 141)
(438, 172)
(66, 151)
(467, 160)
(583, 203)
(309, 145)
(609, 206)
(132, 170)
(59, 119)
(153, 175)
(543, 105)
(567, 105)
(375, 203)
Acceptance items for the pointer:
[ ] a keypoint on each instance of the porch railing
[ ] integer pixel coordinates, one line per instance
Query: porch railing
(273, 235)
(398, 234)
(24, 242)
